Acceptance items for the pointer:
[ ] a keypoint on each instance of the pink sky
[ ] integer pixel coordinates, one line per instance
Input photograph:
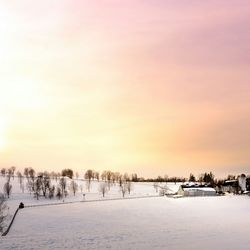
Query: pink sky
(153, 87)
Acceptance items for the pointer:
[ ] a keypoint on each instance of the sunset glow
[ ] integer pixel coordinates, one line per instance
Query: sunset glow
(153, 87)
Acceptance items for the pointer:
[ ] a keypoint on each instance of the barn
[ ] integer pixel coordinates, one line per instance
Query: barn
(196, 190)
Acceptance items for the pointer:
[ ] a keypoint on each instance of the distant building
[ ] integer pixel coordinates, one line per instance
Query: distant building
(235, 186)
(196, 190)
(230, 186)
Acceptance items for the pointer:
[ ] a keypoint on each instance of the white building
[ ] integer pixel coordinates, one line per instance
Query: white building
(242, 179)
(196, 191)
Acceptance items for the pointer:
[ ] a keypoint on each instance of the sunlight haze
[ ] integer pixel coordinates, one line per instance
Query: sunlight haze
(152, 87)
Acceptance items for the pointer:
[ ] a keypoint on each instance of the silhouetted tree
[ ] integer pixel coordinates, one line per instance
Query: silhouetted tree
(13, 169)
(3, 171)
(192, 178)
(63, 184)
(59, 193)
(134, 178)
(37, 187)
(68, 172)
(45, 184)
(89, 175)
(51, 192)
(7, 189)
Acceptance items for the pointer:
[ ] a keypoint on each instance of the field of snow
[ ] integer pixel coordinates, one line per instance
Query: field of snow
(144, 223)
(150, 223)
(17, 196)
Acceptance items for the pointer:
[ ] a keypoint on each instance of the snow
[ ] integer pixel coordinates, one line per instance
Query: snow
(208, 189)
(219, 222)
(138, 190)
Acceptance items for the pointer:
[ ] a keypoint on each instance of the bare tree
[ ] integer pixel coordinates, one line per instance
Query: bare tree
(68, 172)
(129, 186)
(3, 171)
(63, 184)
(3, 209)
(103, 188)
(109, 178)
(104, 175)
(30, 175)
(26, 172)
(13, 169)
(45, 184)
(7, 189)
(29, 185)
(124, 188)
(51, 192)
(97, 176)
(20, 180)
(89, 175)
(59, 192)
(8, 174)
(74, 187)
(156, 185)
(37, 187)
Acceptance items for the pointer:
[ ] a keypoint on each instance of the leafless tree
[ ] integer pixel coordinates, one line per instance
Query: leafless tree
(26, 172)
(124, 188)
(63, 184)
(103, 188)
(129, 186)
(37, 187)
(3, 209)
(29, 185)
(7, 189)
(126, 177)
(59, 192)
(104, 175)
(8, 174)
(162, 192)
(120, 180)
(30, 175)
(45, 184)
(68, 172)
(89, 175)
(109, 178)
(97, 176)
(20, 179)
(51, 192)
(3, 171)
(117, 174)
(13, 169)
(74, 187)
(156, 185)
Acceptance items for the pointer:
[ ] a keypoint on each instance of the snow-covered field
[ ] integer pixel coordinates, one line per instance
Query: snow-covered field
(148, 223)
(152, 223)
(17, 196)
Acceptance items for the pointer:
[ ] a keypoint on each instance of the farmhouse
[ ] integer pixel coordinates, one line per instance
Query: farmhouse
(230, 186)
(196, 190)
(235, 186)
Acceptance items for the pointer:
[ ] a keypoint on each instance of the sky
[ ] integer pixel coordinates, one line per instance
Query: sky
(148, 86)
